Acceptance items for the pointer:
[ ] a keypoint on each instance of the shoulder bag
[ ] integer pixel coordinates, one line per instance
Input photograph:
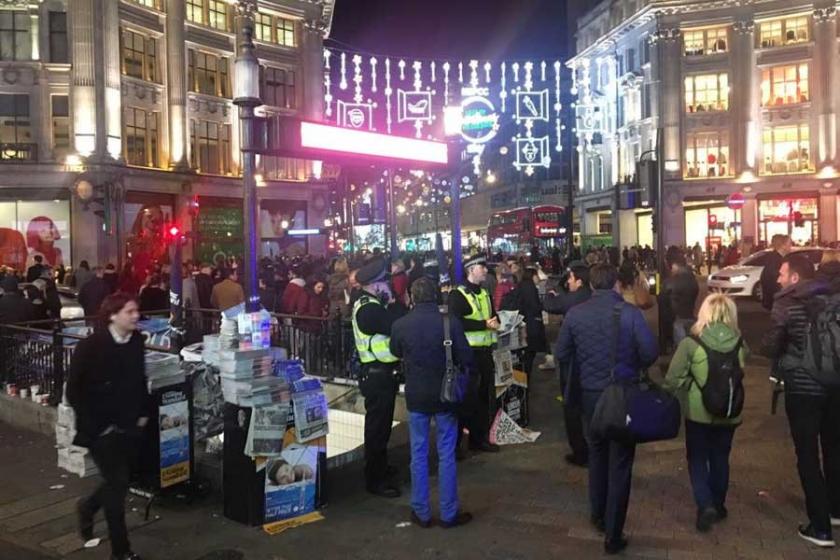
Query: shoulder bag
(455, 382)
(634, 411)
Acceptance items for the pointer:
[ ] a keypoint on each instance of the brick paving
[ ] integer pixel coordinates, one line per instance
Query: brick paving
(527, 503)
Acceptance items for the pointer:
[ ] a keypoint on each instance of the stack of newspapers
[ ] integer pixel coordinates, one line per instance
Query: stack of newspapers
(71, 458)
(163, 370)
(239, 369)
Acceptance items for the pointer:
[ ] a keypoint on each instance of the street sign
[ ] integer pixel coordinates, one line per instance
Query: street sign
(735, 201)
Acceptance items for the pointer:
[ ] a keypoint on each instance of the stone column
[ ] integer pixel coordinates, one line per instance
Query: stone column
(176, 83)
(312, 69)
(828, 217)
(822, 75)
(83, 75)
(669, 107)
(744, 100)
(112, 79)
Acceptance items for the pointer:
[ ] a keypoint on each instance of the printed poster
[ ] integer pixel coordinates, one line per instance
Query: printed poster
(290, 482)
(174, 422)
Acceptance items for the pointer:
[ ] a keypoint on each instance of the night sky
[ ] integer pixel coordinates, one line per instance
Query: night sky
(455, 29)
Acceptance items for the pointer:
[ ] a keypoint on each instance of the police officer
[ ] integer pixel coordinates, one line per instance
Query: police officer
(474, 306)
(372, 322)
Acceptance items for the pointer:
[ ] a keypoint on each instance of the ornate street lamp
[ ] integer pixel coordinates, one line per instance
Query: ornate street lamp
(246, 92)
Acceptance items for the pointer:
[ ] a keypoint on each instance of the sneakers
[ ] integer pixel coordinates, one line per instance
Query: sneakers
(548, 364)
(419, 522)
(705, 518)
(822, 540)
(462, 518)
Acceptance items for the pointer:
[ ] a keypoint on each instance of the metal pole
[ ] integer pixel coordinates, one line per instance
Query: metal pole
(176, 297)
(392, 215)
(455, 211)
(660, 179)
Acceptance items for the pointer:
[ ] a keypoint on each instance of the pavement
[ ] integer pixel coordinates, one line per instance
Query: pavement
(527, 502)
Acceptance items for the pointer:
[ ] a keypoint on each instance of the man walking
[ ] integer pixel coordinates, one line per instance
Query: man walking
(583, 338)
(418, 340)
(770, 273)
(560, 304)
(474, 307)
(107, 390)
(813, 410)
(372, 323)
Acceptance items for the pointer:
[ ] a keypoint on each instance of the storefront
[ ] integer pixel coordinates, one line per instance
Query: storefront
(218, 229)
(34, 227)
(144, 220)
(277, 217)
(711, 225)
(782, 215)
(644, 229)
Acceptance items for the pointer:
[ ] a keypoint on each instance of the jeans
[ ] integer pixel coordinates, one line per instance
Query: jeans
(815, 425)
(707, 450)
(610, 474)
(113, 455)
(447, 435)
(379, 387)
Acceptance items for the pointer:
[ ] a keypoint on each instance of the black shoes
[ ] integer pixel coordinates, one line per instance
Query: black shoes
(705, 518)
(385, 491)
(822, 540)
(614, 546)
(576, 461)
(127, 556)
(85, 522)
(420, 523)
(485, 446)
(722, 512)
(598, 523)
(462, 518)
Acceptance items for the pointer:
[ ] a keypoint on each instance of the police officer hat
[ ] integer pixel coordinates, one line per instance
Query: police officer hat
(375, 270)
(472, 261)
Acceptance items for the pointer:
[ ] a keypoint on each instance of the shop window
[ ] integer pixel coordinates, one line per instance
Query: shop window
(16, 129)
(787, 149)
(58, 37)
(38, 227)
(707, 155)
(139, 56)
(605, 225)
(15, 35)
(707, 92)
(700, 42)
(140, 130)
(210, 147)
(796, 217)
(784, 85)
(60, 126)
(787, 31)
(208, 74)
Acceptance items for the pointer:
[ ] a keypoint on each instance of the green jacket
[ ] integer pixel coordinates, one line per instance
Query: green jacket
(689, 370)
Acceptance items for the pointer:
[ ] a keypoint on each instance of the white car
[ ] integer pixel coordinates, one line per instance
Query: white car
(743, 279)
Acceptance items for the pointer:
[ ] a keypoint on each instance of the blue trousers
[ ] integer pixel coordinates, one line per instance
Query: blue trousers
(447, 435)
(707, 449)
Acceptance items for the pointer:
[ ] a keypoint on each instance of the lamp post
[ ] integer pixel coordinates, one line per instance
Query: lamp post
(246, 96)
(453, 118)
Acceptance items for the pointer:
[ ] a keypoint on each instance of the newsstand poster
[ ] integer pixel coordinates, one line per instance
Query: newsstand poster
(290, 482)
(174, 421)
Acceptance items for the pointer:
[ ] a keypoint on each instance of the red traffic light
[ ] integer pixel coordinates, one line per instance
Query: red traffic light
(713, 222)
(174, 231)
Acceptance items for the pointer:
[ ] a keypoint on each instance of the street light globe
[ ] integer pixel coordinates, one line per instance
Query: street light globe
(491, 177)
(284, 224)
(327, 222)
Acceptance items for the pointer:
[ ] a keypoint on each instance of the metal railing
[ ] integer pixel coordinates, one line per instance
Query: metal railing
(40, 352)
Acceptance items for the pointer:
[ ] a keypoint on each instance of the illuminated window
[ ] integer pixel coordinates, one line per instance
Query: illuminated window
(15, 128)
(210, 147)
(218, 15)
(707, 92)
(156, 4)
(60, 126)
(139, 56)
(195, 11)
(278, 87)
(787, 149)
(286, 32)
(784, 85)
(263, 27)
(208, 74)
(15, 40)
(707, 155)
(140, 131)
(699, 42)
(787, 31)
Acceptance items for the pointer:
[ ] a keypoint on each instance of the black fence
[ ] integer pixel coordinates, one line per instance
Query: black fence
(39, 353)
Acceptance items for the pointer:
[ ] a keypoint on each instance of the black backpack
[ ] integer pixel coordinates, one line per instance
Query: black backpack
(723, 393)
(821, 358)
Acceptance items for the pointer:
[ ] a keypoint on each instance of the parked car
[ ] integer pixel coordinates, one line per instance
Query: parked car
(743, 279)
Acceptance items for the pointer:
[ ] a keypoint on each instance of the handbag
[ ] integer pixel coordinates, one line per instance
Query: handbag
(453, 388)
(634, 411)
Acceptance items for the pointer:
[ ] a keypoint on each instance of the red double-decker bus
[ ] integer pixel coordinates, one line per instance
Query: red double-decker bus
(517, 231)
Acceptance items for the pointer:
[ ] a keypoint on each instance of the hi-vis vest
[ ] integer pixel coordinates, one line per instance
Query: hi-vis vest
(371, 347)
(480, 306)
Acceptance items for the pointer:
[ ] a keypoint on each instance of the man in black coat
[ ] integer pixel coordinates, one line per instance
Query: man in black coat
(34, 272)
(770, 273)
(680, 292)
(93, 293)
(14, 308)
(418, 340)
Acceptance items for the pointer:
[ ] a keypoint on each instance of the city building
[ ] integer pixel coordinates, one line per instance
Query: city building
(745, 96)
(116, 119)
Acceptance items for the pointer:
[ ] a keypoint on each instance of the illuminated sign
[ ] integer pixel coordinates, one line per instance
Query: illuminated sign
(355, 115)
(360, 143)
(532, 105)
(479, 121)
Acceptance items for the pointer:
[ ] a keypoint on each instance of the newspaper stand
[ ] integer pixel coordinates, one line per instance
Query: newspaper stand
(167, 458)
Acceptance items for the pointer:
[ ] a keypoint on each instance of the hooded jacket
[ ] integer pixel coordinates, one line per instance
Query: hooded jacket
(689, 371)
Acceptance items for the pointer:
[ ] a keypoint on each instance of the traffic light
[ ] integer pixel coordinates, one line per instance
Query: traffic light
(174, 234)
(798, 220)
(713, 222)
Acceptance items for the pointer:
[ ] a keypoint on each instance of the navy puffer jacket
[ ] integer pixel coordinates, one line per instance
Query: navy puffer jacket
(587, 337)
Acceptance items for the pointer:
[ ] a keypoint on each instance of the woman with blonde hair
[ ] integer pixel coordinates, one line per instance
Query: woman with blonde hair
(716, 340)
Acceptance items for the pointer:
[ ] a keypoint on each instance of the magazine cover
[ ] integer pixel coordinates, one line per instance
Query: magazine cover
(290, 481)
(174, 420)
